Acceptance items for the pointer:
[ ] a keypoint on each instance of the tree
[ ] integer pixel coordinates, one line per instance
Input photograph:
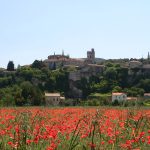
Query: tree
(134, 91)
(32, 95)
(38, 64)
(37, 96)
(110, 73)
(102, 87)
(145, 84)
(26, 93)
(117, 89)
(54, 66)
(10, 66)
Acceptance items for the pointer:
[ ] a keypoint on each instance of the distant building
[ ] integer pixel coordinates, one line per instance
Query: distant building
(135, 64)
(119, 96)
(65, 60)
(91, 56)
(146, 95)
(132, 98)
(53, 99)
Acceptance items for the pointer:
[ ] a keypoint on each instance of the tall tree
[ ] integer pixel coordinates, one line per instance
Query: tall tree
(10, 66)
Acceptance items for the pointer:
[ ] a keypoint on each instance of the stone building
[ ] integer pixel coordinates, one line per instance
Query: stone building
(119, 96)
(53, 99)
(146, 95)
(63, 60)
(86, 71)
(135, 64)
(90, 56)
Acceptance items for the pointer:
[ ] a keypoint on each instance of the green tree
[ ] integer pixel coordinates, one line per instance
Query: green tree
(10, 66)
(110, 73)
(38, 64)
(32, 95)
(37, 96)
(134, 91)
(117, 89)
(145, 84)
(54, 66)
(27, 89)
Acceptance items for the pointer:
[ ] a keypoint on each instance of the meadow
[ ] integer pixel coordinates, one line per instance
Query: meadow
(93, 128)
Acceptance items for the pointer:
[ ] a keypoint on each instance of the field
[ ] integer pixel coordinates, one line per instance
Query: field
(90, 128)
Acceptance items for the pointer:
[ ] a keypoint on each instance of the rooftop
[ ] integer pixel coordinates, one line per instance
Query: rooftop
(118, 93)
(52, 94)
(146, 94)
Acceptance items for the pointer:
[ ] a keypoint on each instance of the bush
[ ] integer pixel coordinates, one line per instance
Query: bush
(8, 100)
(115, 103)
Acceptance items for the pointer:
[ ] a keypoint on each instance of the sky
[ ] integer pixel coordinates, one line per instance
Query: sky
(34, 29)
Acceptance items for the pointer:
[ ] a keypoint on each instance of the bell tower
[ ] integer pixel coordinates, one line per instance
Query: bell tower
(91, 55)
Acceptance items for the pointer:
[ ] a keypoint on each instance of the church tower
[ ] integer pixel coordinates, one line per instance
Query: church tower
(91, 55)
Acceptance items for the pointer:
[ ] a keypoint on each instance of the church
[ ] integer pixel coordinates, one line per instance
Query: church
(58, 60)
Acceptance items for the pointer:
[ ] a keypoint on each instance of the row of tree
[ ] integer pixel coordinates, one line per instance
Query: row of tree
(26, 85)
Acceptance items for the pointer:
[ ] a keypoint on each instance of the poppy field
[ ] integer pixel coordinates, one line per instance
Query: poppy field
(40, 128)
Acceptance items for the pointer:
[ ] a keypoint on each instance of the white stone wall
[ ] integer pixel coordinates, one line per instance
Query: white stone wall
(120, 97)
(52, 100)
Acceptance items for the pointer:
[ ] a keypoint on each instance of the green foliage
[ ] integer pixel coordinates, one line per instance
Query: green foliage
(117, 89)
(54, 66)
(27, 84)
(38, 64)
(31, 95)
(5, 81)
(7, 100)
(134, 92)
(115, 103)
(102, 99)
(110, 73)
(146, 102)
(10, 66)
(145, 84)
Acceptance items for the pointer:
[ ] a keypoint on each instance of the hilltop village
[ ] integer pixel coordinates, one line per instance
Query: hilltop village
(84, 68)
(60, 79)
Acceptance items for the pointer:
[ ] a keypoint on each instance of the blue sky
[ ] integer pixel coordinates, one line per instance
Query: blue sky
(34, 29)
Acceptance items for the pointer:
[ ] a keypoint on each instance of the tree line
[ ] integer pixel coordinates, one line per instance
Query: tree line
(26, 85)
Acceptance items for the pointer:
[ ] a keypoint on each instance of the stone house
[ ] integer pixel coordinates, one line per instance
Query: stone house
(146, 95)
(53, 99)
(132, 98)
(119, 96)
(135, 64)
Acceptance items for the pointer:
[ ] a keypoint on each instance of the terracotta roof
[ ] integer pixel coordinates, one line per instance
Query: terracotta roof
(64, 59)
(146, 94)
(52, 94)
(131, 98)
(117, 93)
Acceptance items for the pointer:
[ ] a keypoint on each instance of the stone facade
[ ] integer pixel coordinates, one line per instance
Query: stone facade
(86, 71)
(91, 56)
(53, 99)
(61, 60)
(119, 96)
(135, 64)
(146, 95)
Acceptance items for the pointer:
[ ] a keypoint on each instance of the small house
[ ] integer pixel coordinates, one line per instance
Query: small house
(119, 96)
(132, 98)
(146, 95)
(53, 99)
